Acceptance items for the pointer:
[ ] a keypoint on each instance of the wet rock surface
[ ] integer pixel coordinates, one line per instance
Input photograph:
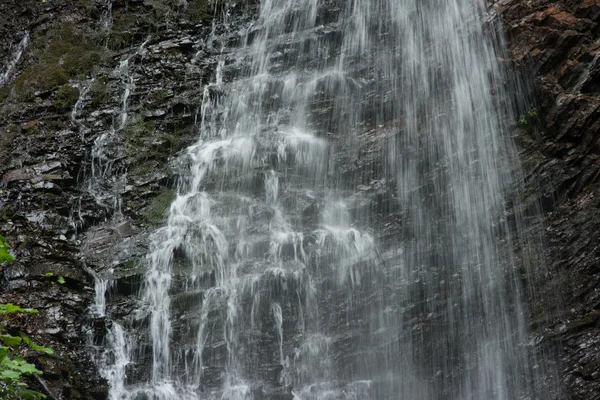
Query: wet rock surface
(553, 44)
(56, 225)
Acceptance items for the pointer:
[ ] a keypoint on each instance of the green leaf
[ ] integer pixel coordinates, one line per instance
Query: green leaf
(20, 366)
(60, 280)
(3, 353)
(8, 308)
(9, 374)
(48, 275)
(47, 350)
(25, 338)
(10, 340)
(28, 394)
(4, 254)
(33, 346)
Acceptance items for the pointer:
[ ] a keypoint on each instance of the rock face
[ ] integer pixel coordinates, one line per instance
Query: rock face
(40, 159)
(88, 164)
(62, 164)
(554, 45)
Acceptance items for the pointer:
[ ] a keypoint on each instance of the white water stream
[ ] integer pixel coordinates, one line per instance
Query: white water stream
(291, 287)
(14, 60)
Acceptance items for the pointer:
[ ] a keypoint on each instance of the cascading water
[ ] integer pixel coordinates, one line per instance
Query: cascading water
(106, 182)
(105, 8)
(105, 185)
(16, 57)
(340, 232)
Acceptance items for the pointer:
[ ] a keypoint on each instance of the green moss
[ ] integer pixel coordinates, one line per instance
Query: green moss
(39, 77)
(80, 61)
(155, 212)
(60, 53)
(99, 93)
(31, 128)
(148, 149)
(197, 10)
(129, 264)
(42, 19)
(54, 122)
(132, 23)
(121, 33)
(170, 142)
(141, 169)
(4, 93)
(7, 212)
(158, 96)
(138, 136)
(72, 49)
(66, 97)
(7, 134)
(83, 3)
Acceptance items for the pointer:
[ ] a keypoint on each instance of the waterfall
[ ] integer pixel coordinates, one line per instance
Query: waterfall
(341, 229)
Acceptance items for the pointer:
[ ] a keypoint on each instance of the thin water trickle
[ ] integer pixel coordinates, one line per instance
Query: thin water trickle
(84, 88)
(105, 7)
(14, 60)
(106, 182)
(337, 233)
(113, 355)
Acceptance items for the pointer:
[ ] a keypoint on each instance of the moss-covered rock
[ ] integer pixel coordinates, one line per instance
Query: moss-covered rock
(99, 93)
(137, 136)
(66, 97)
(197, 10)
(156, 212)
(60, 53)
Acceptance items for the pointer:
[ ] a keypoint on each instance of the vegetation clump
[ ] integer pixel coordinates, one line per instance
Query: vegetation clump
(137, 136)
(61, 53)
(121, 33)
(99, 93)
(66, 97)
(197, 10)
(156, 211)
(148, 148)
(158, 96)
(530, 116)
(13, 367)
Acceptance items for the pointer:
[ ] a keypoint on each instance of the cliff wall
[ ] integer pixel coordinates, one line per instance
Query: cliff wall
(67, 92)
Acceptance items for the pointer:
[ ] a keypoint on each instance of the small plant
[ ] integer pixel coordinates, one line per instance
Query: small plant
(137, 135)
(527, 118)
(4, 252)
(12, 364)
(197, 10)
(532, 113)
(50, 275)
(523, 121)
